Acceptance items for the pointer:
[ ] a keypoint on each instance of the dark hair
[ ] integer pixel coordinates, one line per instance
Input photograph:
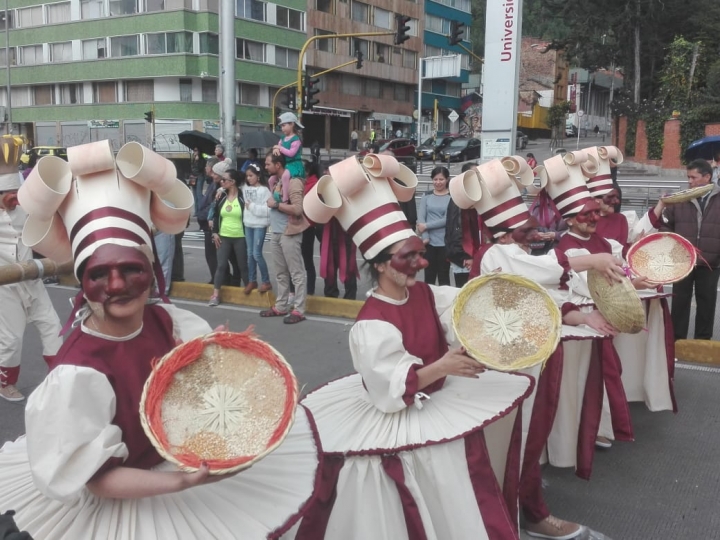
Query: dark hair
(530, 154)
(469, 165)
(381, 257)
(311, 168)
(254, 167)
(701, 166)
(236, 176)
(253, 153)
(277, 159)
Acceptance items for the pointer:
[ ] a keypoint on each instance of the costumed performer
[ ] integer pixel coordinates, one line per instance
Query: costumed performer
(86, 469)
(418, 412)
(21, 302)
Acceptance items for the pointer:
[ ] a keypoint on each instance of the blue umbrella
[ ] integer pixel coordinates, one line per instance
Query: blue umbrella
(704, 148)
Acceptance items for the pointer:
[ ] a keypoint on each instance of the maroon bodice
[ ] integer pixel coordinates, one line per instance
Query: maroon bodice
(614, 227)
(127, 365)
(595, 244)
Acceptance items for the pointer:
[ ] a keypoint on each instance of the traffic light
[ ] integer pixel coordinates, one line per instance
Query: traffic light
(309, 91)
(290, 96)
(457, 32)
(359, 56)
(150, 116)
(402, 28)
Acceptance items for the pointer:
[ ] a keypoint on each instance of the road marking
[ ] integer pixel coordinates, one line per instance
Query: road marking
(694, 367)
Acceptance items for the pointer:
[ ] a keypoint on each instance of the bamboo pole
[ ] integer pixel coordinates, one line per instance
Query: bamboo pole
(33, 269)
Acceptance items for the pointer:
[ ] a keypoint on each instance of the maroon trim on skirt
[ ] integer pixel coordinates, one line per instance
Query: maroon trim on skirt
(372, 215)
(669, 350)
(386, 231)
(490, 500)
(544, 410)
(108, 211)
(590, 413)
(109, 233)
(619, 408)
(413, 521)
(511, 481)
(317, 516)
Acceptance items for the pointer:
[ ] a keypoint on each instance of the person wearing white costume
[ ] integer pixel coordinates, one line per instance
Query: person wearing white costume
(419, 412)
(86, 469)
(21, 302)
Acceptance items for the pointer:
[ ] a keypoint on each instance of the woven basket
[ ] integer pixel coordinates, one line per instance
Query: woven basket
(662, 257)
(506, 322)
(618, 302)
(226, 399)
(688, 194)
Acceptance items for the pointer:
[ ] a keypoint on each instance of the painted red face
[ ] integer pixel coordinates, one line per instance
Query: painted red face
(527, 233)
(116, 274)
(409, 258)
(612, 198)
(590, 213)
(10, 200)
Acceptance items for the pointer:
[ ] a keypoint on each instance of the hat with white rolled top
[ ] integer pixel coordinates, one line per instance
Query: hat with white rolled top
(493, 189)
(602, 184)
(564, 179)
(363, 196)
(96, 198)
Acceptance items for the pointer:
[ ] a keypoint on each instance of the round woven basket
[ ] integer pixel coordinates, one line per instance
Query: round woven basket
(618, 302)
(506, 322)
(226, 399)
(662, 257)
(688, 194)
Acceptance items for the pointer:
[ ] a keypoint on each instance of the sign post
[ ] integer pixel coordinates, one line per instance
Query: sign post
(580, 114)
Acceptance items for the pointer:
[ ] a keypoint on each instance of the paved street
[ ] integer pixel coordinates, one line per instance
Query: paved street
(663, 486)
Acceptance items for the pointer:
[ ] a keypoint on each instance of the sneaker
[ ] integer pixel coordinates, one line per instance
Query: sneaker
(603, 442)
(294, 317)
(250, 286)
(265, 287)
(214, 301)
(11, 393)
(554, 528)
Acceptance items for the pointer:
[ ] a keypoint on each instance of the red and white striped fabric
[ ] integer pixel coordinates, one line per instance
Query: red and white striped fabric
(564, 179)
(601, 184)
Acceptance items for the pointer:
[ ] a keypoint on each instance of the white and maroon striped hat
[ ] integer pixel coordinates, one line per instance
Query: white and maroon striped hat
(363, 196)
(493, 188)
(95, 198)
(564, 179)
(601, 184)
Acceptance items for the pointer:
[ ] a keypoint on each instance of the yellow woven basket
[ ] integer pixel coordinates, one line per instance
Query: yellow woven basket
(506, 322)
(688, 194)
(618, 302)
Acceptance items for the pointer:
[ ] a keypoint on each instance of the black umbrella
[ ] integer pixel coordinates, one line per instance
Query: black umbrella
(205, 142)
(258, 139)
(703, 148)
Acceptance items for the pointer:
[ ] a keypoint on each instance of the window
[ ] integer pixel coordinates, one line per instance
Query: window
(383, 18)
(249, 50)
(409, 59)
(104, 92)
(32, 16)
(286, 57)
(372, 88)
(94, 49)
(139, 91)
(31, 55)
(462, 5)
(154, 5)
(397, 56)
(209, 43)
(124, 46)
(401, 93)
(360, 12)
(209, 91)
(249, 94)
(92, 9)
(453, 89)
(155, 44)
(58, 13)
(70, 94)
(413, 24)
(43, 95)
(465, 61)
(290, 18)
(21, 96)
(61, 52)
(360, 45)
(11, 19)
(186, 90)
(13, 57)
(250, 9)
(179, 42)
(437, 25)
(326, 6)
(123, 7)
(382, 52)
(327, 45)
(351, 85)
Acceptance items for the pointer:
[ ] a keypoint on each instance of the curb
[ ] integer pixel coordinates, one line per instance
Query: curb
(698, 351)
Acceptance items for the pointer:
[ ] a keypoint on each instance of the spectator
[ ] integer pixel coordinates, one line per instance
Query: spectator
(165, 247)
(431, 226)
(197, 176)
(233, 274)
(551, 225)
(531, 161)
(290, 146)
(353, 140)
(312, 173)
(220, 152)
(252, 159)
(256, 220)
(698, 221)
(287, 224)
(716, 167)
(462, 237)
(206, 204)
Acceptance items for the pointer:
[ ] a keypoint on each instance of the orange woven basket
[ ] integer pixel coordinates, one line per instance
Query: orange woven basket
(226, 399)
(662, 257)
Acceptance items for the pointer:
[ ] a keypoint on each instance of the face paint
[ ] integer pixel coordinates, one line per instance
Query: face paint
(611, 199)
(10, 200)
(527, 233)
(409, 258)
(116, 274)
(590, 213)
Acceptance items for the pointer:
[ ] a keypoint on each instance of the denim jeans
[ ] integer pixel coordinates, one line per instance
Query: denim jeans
(255, 238)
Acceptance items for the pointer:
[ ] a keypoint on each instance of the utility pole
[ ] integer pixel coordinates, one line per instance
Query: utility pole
(227, 75)
(8, 109)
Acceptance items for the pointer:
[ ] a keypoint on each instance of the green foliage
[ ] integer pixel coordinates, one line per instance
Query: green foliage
(556, 115)
(693, 122)
(654, 113)
(675, 84)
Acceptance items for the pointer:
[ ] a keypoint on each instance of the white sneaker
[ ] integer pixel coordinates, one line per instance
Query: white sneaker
(11, 393)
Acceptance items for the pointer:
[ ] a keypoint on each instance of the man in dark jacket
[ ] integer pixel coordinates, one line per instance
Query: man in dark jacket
(698, 221)
(462, 237)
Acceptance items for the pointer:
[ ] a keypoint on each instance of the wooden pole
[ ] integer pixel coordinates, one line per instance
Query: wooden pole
(33, 269)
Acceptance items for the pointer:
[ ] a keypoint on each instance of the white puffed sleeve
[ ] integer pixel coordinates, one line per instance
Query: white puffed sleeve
(577, 284)
(511, 259)
(444, 301)
(69, 431)
(617, 248)
(387, 369)
(644, 225)
(186, 325)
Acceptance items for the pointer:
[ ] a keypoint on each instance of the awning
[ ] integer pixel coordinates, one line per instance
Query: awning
(330, 111)
(381, 117)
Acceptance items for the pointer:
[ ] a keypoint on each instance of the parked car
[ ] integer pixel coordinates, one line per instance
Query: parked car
(433, 146)
(461, 150)
(399, 147)
(41, 151)
(521, 140)
(570, 130)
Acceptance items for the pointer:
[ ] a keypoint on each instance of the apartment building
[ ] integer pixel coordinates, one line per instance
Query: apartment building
(86, 70)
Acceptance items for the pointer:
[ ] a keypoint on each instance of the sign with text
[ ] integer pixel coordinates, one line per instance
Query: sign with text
(495, 148)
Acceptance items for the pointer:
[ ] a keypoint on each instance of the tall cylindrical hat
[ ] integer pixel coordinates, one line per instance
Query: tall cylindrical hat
(564, 179)
(363, 196)
(601, 183)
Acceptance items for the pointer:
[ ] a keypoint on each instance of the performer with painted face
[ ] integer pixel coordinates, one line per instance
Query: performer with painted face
(86, 469)
(419, 411)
